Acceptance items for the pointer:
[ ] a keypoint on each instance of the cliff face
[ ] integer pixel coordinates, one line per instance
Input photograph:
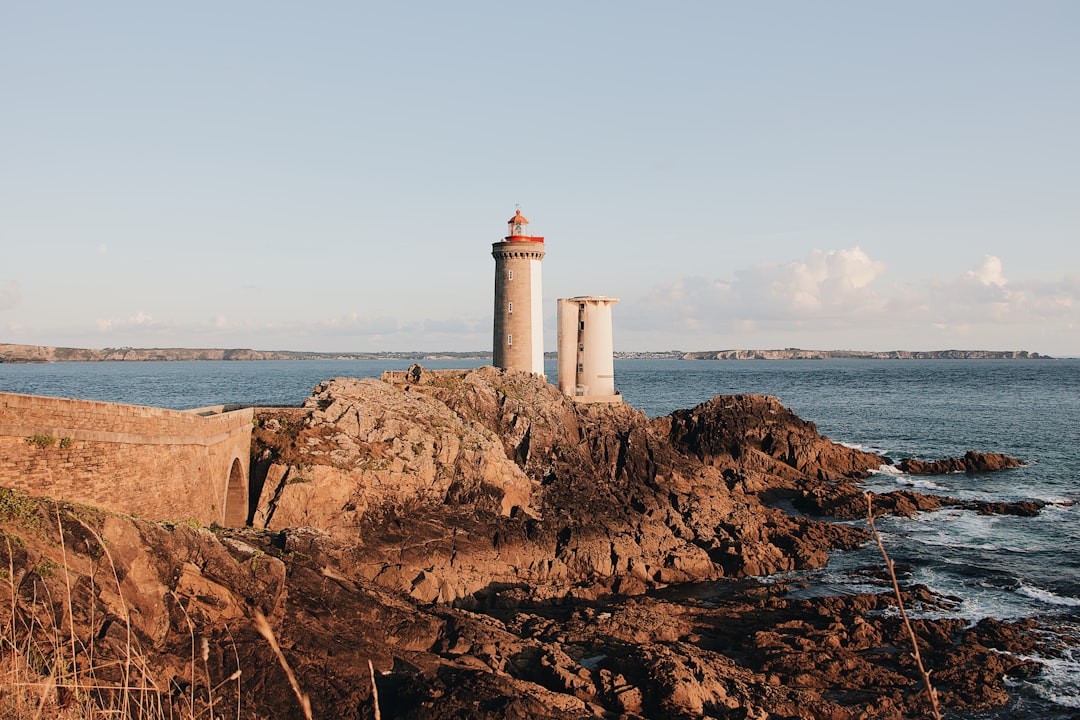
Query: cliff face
(463, 485)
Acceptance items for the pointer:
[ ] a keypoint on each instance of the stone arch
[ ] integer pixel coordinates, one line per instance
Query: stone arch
(236, 496)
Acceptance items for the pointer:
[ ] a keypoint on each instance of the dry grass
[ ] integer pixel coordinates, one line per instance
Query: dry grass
(48, 671)
(52, 673)
(54, 666)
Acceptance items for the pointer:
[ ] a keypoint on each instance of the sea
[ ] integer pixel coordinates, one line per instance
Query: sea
(1003, 567)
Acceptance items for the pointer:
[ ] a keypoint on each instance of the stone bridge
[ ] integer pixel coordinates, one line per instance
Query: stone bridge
(156, 463)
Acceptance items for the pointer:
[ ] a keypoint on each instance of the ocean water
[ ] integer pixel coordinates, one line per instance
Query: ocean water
(993, 566)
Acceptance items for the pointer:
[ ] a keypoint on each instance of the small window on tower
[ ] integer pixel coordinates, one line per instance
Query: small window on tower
(509, 339)
(510, 308)
(509, 274)
(581, 325)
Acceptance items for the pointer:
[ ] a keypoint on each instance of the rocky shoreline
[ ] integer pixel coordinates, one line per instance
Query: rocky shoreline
(497, 551)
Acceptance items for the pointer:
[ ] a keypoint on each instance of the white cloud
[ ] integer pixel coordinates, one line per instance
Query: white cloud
(984, 295)
(825, 285)
(845, 298)
(989, 272)
(139, 319)
(831, 283)
(9, 295)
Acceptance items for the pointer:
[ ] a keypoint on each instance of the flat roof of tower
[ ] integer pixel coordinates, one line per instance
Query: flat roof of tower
(592, 298)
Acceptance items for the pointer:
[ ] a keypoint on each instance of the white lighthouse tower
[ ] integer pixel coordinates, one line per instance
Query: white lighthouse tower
(518, 341)
(586, 354)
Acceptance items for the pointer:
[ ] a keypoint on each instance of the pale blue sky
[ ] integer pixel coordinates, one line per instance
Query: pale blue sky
(330, 176)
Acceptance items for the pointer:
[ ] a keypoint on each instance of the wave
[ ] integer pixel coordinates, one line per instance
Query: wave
(1045, 596)
(1059, 679)
(901, 478)
(921, 483)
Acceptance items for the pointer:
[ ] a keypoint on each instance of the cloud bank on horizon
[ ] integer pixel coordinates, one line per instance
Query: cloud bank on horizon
(844, 299)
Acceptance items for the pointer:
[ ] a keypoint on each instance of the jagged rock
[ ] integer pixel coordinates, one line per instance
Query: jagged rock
(469, 484)
(972, 462)
(363, 444)
(728, 429)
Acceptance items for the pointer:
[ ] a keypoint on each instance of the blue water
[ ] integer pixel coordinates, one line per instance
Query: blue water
(996, 566)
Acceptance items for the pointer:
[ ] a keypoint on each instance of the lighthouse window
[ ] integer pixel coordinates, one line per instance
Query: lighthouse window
(509, 274)
(510, 308)
(509, 339)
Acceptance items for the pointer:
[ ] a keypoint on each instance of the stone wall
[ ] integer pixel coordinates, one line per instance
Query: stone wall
(156, 463)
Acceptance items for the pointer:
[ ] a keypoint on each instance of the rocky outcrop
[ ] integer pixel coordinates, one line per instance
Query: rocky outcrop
(102, 601)
(740, 431)
(363, 443)
(495, 551)
(467, 485)
(471, 484)
(972, 462)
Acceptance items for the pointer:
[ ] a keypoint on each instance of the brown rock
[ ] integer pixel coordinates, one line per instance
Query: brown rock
(972, 462)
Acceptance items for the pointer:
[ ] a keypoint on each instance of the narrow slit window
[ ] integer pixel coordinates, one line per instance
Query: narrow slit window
(509, 274)
(510, 308)
(509, 339)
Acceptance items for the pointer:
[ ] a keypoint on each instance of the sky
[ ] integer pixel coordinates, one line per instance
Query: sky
(330, 176)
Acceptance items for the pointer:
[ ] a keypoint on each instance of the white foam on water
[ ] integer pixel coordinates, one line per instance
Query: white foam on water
(920, 482)
(824, 582)
(887, 473)
(1045, 596)
(1059, 681)
(862, 447)
(949, 527)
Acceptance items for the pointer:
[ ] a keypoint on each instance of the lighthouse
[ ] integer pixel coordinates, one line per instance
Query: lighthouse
(586, 355)
(518, 342)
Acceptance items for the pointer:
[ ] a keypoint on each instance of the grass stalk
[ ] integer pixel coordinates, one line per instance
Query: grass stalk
(70, 607)
(931, 693)
(125, 690)
(265, 630)
(374, 690)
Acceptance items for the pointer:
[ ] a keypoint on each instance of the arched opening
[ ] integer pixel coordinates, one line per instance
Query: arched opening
(236, 497)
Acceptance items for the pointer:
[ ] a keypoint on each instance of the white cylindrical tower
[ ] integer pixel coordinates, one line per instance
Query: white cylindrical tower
(518, 338)
(586, 351)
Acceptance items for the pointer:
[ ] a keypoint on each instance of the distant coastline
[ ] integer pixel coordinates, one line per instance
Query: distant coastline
(798, 354)
(12, 353)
